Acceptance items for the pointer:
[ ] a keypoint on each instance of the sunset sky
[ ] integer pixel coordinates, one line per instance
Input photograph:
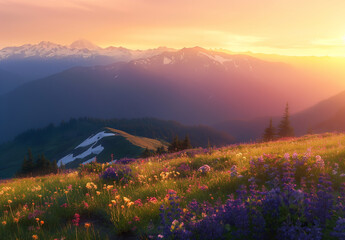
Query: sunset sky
(291, 27)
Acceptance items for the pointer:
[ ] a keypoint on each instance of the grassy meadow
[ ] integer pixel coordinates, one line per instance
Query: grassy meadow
(287, 189)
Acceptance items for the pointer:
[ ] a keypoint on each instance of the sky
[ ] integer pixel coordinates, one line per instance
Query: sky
(288, 27)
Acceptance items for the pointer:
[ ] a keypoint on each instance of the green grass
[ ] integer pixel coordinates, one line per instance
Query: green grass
(47, 195)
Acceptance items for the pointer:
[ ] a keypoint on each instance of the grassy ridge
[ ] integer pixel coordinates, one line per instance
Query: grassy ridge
(142, 142)
(132, 210)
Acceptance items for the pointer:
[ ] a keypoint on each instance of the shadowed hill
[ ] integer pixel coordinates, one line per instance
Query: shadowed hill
(55, 142)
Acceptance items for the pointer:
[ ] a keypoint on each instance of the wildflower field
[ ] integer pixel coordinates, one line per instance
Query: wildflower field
(288, 189)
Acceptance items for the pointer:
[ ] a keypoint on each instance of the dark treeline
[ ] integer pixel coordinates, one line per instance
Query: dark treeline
(40, 166)
(179, 145)
(284, 129)
(144, 127)
(175, 146)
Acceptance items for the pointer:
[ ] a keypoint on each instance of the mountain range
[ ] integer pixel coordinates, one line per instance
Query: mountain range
(235, 93)
(192, 85)
(33, 61)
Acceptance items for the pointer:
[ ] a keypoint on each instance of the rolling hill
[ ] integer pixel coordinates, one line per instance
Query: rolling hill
(56, 142)
(106, 142)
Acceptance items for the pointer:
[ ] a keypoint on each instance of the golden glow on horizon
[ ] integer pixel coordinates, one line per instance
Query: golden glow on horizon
(289, 27)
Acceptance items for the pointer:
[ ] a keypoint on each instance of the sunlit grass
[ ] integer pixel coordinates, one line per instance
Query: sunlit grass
(46, 206)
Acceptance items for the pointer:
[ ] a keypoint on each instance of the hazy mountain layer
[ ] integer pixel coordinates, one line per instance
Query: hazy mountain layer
(192, 85)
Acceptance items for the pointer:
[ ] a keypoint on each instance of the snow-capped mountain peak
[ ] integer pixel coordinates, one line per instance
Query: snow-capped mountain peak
(78, 49)
(84, 44)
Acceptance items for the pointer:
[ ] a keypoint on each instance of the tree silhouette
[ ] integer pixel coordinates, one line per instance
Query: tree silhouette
(41, 166)
(175, 145)
(147, 153)
(54, 167)
(285, 129)
(186, 143)
(178, 145)
(27, 166)
(270, 133)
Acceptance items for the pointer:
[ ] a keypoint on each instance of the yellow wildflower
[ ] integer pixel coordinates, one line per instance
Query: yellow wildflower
(91, 185)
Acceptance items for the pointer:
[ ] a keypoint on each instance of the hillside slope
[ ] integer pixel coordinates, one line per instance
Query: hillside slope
(55, 142)
(232, 192)
(106, 144)
(9, 81)
(325, 116)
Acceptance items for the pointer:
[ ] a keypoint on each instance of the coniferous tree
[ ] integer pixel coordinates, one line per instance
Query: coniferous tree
(186, 143)
(46, 164)
(147, 153)
(54, 167)
(39, 166)
(285, 129)
(175, 145)
(62, 167)
(160, 150)
(26, 167)
(270, 133)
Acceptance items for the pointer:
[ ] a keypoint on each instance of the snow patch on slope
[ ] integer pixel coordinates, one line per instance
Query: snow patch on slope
(166, 60)
(95, 138)
(92, 150)
(70, 158)
(90, 160)
(217, 58)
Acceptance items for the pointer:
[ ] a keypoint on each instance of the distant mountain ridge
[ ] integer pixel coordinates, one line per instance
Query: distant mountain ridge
(80, 48)
(192, 85)
(33, 61)
(325, 116)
